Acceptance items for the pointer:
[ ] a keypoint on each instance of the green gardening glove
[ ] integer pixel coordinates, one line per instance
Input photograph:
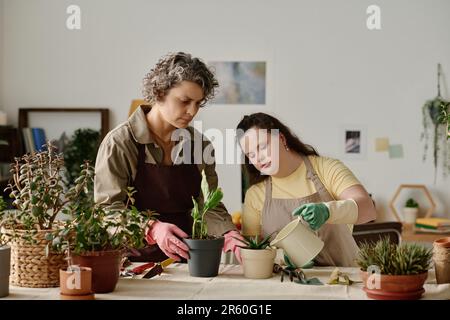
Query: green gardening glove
(315, 214)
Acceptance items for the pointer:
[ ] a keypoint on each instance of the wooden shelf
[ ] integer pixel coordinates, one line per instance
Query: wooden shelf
(104, 114)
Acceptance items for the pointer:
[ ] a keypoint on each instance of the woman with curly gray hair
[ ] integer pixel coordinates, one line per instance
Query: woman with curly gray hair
(142, 153)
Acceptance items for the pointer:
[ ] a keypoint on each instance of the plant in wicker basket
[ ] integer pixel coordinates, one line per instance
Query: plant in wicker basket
(5, 257)
(39, 195)
(97, 235)
(401, 270)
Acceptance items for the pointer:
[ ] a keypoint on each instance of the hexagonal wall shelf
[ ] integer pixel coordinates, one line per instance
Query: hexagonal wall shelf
(412, 186)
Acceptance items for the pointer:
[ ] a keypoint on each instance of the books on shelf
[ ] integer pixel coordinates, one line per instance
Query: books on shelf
(34, 139)
(432, 225)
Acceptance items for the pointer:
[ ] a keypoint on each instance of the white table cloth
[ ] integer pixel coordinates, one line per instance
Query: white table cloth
(175, 283)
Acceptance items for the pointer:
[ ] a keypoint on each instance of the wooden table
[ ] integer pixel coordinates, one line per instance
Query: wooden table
(409, 235)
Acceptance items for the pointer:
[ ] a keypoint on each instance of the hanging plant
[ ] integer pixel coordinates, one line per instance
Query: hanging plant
(435, 117)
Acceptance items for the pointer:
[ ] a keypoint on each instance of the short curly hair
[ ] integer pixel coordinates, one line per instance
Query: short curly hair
(174, 68)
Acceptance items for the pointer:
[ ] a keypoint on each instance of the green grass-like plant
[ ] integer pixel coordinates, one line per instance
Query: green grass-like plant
(392, 259)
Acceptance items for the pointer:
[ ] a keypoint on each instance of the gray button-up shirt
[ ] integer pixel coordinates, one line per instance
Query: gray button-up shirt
(117, 158)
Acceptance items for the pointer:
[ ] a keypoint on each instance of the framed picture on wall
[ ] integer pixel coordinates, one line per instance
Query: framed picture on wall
(241, 82)
(353, 142)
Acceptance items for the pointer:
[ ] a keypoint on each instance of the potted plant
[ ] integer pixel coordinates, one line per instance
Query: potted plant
(97, 235)
(402, 269)
(75, 281)
(5, 258)
(410, 211)
(435, 116)
(83, 146)
(39, 195)
(257, 257)
(204, 250)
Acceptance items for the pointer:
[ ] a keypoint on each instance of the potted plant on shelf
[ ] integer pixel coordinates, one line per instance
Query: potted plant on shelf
(410, 211)
(97, 235)
(257, 257)
(204, 250)
(39, 195)
(402, 269)
(5, 257)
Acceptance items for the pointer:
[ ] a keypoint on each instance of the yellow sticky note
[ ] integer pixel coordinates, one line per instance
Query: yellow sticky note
(381, 144)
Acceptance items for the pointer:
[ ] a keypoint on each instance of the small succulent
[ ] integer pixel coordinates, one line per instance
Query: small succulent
(392, 259)
(411, 203)
(256, 242)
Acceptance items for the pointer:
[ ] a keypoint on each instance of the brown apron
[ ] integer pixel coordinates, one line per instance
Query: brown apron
(340, 248)
(168, 190)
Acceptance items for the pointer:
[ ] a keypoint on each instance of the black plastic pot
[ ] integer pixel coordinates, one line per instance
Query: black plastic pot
(204, 256)
(5, 264)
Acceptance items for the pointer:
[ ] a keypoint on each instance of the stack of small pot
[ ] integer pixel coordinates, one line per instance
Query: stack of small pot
(76, 283)
(441, 258)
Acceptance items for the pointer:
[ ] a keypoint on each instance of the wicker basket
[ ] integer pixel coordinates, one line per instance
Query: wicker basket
(30, 266)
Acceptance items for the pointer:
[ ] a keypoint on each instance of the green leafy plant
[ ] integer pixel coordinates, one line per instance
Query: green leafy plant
(83, 146)
(444, 116)
(392, 259)
(435, 114)
(256, 242)
(39, 192)
(94, 227)
(211, 200)
(411, 203)
(3, 206)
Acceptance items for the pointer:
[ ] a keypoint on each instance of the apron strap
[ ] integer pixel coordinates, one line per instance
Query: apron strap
(268, 195)
(313, 176)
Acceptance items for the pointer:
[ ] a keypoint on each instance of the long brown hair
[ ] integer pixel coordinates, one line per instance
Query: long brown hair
(262, 120)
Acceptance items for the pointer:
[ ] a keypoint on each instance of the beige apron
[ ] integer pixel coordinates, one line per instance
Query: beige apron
(340, 248)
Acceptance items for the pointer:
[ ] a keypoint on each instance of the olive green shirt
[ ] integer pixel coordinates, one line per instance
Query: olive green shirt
(117, 159)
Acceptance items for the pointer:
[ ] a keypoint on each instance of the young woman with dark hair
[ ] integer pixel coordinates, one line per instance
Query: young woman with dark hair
(288, 178)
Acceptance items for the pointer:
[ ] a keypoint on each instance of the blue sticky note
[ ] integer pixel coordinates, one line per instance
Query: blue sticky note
(396, 151)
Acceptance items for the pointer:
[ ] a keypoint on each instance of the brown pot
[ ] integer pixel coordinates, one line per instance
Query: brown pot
(84, 297)
(76, 282)
(443, 242)
(397, 287)
(105, 267)
(441, 259)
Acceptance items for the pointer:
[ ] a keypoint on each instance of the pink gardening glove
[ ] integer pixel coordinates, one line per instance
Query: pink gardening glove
(233, 244)
(166, 236)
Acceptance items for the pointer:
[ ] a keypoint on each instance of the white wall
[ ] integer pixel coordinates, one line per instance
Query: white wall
(325, 68)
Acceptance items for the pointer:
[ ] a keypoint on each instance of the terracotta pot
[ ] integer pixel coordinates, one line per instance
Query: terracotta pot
(258, 264)
(396, 287)
(5, 265)
(70, 297)
(204, 256)
(105, 267)
(441, 259)
(443, 242)
(77, 282)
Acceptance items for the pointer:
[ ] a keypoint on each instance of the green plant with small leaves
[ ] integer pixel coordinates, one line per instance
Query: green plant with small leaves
(3, 206)
(411, 203)
(83, 146)
(436, 118)
(199, 211)
(39, 192)
(392, 259)
(256, 242)
(94, 227)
